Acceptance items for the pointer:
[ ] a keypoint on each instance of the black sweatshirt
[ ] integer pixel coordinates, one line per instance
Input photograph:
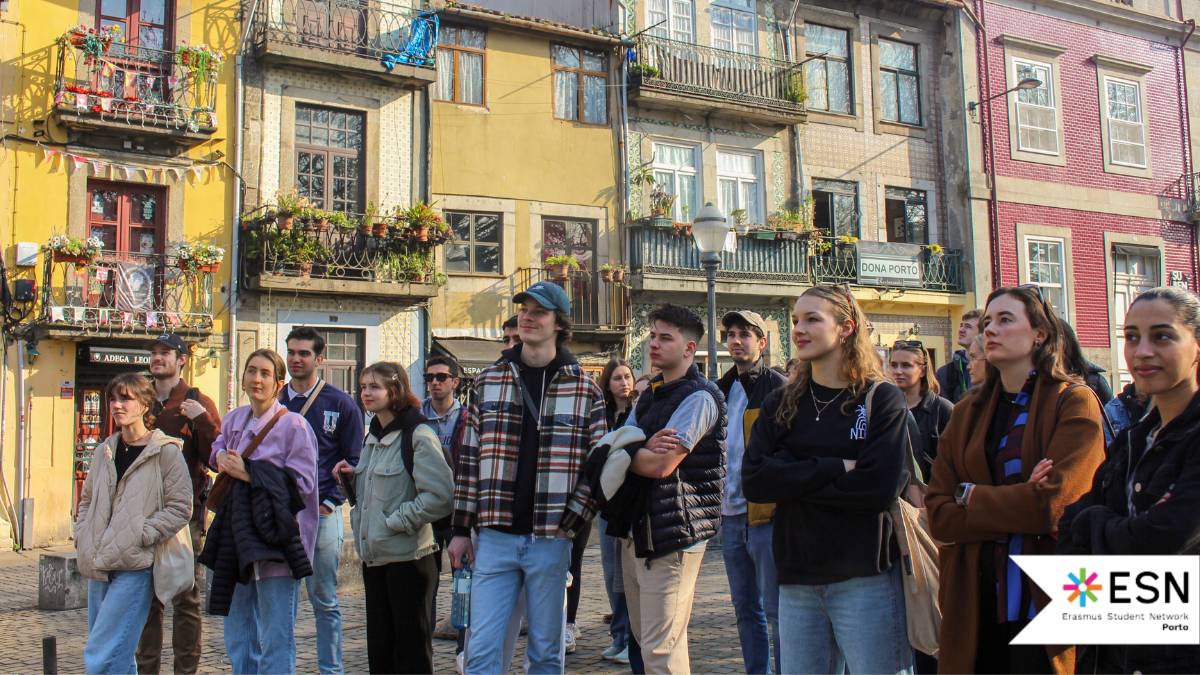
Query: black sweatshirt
(830, 524)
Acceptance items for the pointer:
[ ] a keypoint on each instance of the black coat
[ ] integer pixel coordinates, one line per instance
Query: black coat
(1165, 520)
(1098, 383)
(932, 415)
(256, 523)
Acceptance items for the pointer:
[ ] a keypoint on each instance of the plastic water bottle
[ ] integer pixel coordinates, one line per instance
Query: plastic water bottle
(460, 612)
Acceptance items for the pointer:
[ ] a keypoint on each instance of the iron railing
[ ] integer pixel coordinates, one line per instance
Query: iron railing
(335, 254)
(662, 251)
(707, 71)
(596, 304)
(1187, 188)
(136, 85)
(942, 272)
(350, 27)
(118, 292)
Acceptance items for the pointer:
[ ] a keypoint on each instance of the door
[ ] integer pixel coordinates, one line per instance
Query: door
(130, 220)
(1135, 270)
(141, 64)
(343, 359)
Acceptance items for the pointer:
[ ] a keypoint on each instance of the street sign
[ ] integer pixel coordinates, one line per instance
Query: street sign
(882, 263)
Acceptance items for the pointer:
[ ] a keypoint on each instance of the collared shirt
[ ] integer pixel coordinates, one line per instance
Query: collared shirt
(445, 423)
(292, 393)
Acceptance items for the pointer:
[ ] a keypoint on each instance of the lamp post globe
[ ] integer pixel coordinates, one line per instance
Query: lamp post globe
(710, 230)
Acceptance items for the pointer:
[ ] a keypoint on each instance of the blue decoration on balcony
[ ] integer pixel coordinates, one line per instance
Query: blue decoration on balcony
(419, 49)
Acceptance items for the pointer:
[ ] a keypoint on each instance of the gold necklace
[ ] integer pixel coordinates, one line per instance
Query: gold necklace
(135, 441)
(818, 405)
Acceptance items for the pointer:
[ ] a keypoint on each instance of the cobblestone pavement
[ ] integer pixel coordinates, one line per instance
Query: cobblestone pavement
(712, 634)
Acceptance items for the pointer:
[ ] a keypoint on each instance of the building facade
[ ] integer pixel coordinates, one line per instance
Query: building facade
(117, 118)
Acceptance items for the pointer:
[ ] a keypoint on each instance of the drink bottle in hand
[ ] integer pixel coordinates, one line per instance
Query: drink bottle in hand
(460, 613)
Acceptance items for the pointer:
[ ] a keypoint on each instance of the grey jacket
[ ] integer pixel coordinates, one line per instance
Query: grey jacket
(120, 522)
(392, 521)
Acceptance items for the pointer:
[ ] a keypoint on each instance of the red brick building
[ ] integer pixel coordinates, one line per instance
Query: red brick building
(1083, 186)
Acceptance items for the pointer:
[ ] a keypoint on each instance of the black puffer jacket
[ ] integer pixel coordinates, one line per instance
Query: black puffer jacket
(685, 507)
(1165, 520)
(255, 523)
(932, 415)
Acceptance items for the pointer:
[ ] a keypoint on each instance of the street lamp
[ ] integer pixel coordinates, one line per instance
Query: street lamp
(1027, 83)
(710, 230)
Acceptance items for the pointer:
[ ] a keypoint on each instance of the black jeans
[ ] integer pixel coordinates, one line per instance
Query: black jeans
(578, 545)
(399, 597)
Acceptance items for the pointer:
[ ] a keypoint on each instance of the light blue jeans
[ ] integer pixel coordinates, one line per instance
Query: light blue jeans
(503, 564)
(750, 567)
(117, 611)
(610, 556)
(260, 631)
(322, 592)
(858, 623)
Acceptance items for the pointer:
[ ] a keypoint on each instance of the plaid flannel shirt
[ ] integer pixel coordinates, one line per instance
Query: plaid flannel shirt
(573, 422)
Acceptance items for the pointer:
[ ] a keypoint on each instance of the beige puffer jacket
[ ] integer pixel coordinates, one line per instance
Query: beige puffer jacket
(119, 523)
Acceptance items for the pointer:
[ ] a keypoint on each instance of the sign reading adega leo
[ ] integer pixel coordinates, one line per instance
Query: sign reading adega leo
(882, 263)
(127, 357)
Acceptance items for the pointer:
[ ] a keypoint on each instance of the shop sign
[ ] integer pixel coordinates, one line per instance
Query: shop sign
(67, 389)
(882, 263)
(113, 356)
(1180, 279)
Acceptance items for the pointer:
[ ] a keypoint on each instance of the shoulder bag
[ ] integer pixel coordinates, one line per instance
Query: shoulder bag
(174, 560)
(224, 482)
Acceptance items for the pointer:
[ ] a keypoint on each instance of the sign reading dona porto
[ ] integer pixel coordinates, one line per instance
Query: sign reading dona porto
(1114, 600)
(882, 263)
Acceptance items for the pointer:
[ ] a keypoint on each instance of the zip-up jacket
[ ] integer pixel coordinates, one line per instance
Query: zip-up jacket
(954, 378)
(571, 423)
(758, 382)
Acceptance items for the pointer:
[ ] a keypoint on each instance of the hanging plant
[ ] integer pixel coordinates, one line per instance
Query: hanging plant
(93, 42)
(200, 60)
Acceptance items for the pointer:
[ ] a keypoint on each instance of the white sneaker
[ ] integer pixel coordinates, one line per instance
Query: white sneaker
(460, 662)
(610, 653)
(622, 656)
(572, 631)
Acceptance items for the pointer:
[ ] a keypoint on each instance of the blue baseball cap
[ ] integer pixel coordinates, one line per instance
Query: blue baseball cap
(546, 294)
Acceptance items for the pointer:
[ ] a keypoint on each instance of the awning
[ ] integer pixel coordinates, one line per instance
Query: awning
(1133, 249)
(471, 354)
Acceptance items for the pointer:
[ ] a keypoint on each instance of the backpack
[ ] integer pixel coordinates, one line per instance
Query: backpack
(918, 553)
(407, 454)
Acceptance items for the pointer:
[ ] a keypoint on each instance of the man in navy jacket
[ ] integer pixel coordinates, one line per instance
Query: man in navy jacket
(338, 425)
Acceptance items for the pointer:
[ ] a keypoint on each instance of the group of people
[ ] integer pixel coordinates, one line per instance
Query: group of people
(797, 472)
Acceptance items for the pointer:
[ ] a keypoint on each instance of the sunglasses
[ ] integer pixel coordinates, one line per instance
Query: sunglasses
(908, 344)
(440, 377)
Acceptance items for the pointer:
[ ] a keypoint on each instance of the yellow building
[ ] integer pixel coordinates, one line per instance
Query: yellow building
(117, 116)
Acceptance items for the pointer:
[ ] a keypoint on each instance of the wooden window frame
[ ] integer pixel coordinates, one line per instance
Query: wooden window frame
(456, 50)
(133, 18)
(330, 152)
(579, 73)
(848, 60)
(916, 74)
(471, 244)
(122, 224)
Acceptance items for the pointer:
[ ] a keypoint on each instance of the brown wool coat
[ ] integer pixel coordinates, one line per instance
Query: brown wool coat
(1071, 436)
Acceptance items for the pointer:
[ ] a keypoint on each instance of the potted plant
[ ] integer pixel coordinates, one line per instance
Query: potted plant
(340, 222)
(193, 258)
(561, 265)
(618, 273)
(320, 220)
(94, 42)
(640, 70)
(661, 203)
(68, 249)
(420, 217)
(287, 204)
(439, 231)
(307, 251)
(739, 221)
(606, 272)
(935, 251)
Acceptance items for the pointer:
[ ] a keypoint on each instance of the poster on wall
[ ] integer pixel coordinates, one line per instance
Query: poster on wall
(135, 287)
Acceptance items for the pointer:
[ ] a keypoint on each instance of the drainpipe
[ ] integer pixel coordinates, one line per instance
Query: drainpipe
(18, 529)
(1187, 143)
(990, 171)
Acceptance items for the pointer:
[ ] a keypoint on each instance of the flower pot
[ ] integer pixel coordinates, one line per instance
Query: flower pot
(284, 222)
(561, 271)
(606, 275)
(379, 230)
(789, 235)
(421, 232)
(416, 277)
(306, 269)
(321, 225)
(686, 230)
(211, 268)
(76, 39)
(618, 275)
(364, 228)
(64, 257)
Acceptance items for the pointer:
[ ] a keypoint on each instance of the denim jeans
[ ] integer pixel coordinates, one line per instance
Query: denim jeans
(322, 592)
(260, 631)
(858, 623)
(117, 611)
(750, 567)
(619, 628)
(503, 564)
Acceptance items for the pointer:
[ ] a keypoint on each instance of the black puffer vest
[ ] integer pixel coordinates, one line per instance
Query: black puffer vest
(685, 507)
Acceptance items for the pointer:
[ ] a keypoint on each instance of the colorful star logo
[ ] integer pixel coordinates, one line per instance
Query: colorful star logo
(1081, 587)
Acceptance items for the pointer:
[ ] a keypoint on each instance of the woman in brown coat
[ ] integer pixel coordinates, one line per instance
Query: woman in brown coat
(1017, 451)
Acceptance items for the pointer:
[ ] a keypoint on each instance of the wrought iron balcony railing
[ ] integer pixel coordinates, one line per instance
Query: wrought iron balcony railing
(706, 71)
(596, 304)
(348, 27)
(942, 272)
(335, 254)
(151, 88)
(118, 292)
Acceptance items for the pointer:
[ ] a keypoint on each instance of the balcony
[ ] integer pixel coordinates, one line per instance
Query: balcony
(665, 261)
(135, 93)
(672, 75)
(119, 294)
(598, 307)
(339, 37)
(1187, 188)
(336, 262)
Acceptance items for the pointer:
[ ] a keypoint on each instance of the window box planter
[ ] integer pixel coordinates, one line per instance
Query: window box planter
(62, 257)
(660, 221)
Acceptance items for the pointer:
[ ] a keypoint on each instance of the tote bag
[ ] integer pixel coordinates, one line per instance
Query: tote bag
(174, 561)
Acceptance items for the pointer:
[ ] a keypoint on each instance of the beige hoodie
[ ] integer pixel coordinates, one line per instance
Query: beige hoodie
(119, 523)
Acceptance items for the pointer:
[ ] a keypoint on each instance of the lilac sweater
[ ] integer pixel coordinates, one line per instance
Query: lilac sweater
(290, 445)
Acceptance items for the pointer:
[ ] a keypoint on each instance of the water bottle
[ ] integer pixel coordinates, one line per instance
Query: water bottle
(460, 612)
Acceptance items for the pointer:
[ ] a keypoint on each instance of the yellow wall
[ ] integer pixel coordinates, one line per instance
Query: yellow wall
(514, 151)
(37, 202)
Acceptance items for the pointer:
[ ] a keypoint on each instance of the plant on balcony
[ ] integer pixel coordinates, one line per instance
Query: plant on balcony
(418, 265)
(93, 42)
(419, 218)
(561, 265)
(193, 258)
(644, 70)
(199, 59)
(441, 279)
(340, 222)
(661, 203)
(739, 221)
(614, 273)
(305, 251)
(791, 88)
(288, 203)
(935, 251)
(68, 249)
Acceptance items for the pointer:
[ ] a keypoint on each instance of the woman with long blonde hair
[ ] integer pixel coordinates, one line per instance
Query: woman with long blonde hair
(832, 473)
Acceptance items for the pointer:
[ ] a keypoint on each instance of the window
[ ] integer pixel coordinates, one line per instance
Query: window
(330, 157)
(738, 185)
(675, 17)
(675, 173)
(905, 211)
(344, 359)
(567, 237)
(580, 83)
(1046, 263)
(127, 217)
(1126, 133)
(145, 23)
(1037, 116)
(835, 207)
(477, 243)
(733, 29)
(899, 82)
(827, 74)
(460, 65)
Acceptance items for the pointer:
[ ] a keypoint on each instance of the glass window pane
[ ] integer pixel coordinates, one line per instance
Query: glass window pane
(318, 164)
(889, 107)
(303, 114)
(150, 38)
(444, 89)
(104, 205)
(303, 162)
(566, 95)
(687, 195)
(469, 37)
(727, 196)
(337, 139)
(814, 82)
(470, 78)
(595, 108)
(566, 56)
(461, 224)
(338, 121)
(909, 105)
(114, 8)
(458, 258)
(339, 167)
(897, 55)
(487, 259)
(839, 86)
(320, 117)
(487, 228)
(303, 134)
(825, 40)
(665, 181)
(750, 202)
(593, 61)
(844, 217)
(448, 35)
(320, 136)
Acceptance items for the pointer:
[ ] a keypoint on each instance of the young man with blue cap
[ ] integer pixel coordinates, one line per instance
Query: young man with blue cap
(534, 418)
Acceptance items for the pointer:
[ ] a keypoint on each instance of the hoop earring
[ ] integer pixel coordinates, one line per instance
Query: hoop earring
(842, 341)
(1037, 344)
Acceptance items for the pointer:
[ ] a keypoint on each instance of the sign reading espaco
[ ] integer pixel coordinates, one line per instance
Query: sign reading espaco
(882, 263)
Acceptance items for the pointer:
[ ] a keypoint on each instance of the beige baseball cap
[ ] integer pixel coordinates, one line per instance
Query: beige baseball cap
(745, 316)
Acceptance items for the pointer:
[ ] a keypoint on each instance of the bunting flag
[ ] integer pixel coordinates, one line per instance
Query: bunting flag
(125, 172)
(77, 162)
(151, 319)
(49, 153)
(172, 82)
(150, 80)
(102, 316)
(212, 117)
(127, 318)
(98, 167)
(198, 173)
(150, 175)
(130, 82)
(178, 173)
(56, 313)
(106, 104)
(58, 98)
(81, 100)
(107, 69)
(173, 318)
(101, 274)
